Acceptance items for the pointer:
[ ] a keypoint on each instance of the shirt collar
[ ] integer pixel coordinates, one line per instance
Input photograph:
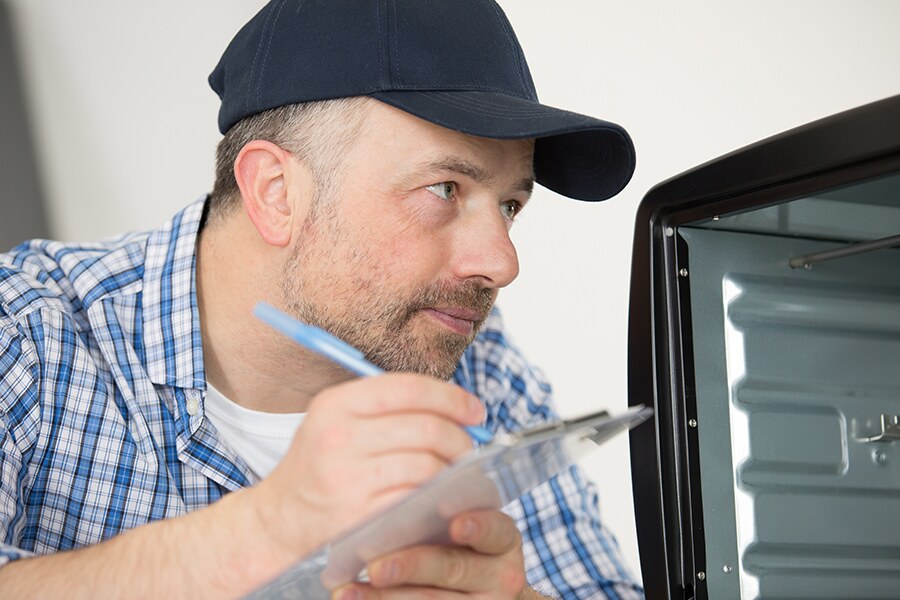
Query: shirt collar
(173, 345)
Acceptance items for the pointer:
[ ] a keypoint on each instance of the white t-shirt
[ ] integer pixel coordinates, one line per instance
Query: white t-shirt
(260, 438)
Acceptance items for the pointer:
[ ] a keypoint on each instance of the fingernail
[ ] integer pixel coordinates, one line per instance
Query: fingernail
(350, 593)
(467, 529)
(388, 571)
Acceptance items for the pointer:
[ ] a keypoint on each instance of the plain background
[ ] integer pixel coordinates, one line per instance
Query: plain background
(125, 134)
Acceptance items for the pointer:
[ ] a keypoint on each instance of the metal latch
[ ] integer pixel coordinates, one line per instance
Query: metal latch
(890, 430)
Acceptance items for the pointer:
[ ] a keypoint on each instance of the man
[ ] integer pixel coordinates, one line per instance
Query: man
(375, 156)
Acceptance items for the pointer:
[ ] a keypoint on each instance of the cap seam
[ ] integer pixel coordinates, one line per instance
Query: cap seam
(383, 35)
(265, 59)
(506, 111)
(395, 59)
(475, 102)
(504, 22)
(253, 65)
(449, 88)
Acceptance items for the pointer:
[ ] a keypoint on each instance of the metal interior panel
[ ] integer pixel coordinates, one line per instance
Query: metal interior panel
(856, 213)
(793, 369)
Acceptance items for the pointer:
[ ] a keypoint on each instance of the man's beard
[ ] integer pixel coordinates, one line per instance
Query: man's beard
(375, 320)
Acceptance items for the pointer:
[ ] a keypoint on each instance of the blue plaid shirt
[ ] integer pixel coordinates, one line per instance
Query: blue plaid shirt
(103, 424)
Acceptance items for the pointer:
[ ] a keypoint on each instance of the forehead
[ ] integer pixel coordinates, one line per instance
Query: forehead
(392, 135)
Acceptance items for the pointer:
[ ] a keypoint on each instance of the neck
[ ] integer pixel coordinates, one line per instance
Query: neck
(249, 363)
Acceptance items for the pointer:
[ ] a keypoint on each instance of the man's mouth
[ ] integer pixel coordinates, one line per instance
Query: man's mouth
(460, 321)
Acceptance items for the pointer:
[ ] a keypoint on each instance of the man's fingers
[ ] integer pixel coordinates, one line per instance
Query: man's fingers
(360, 591)
(456, 568)
(486, 559)
(487, 532)
(404, 392)
(446, 567)
(381, 477)
(402, 470)
(414, 433)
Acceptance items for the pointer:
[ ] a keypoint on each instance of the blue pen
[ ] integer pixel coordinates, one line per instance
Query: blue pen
(336, 349)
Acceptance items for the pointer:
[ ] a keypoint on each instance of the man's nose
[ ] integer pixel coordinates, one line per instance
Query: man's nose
(485, 251)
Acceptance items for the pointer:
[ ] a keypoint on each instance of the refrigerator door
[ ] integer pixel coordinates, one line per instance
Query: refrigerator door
(765, 323)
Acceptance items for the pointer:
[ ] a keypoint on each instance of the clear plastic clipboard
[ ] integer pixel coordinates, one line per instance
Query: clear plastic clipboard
(488, 478)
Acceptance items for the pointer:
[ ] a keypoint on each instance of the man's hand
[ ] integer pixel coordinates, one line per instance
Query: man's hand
(485, 561)
(363, 445)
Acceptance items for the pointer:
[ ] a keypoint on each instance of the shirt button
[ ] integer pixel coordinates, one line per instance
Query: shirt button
(193, 407)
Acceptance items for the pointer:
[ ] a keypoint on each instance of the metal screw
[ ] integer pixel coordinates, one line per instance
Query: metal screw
(880, 457)
(683, 272)
(669, 232)
(701, 575)
(727, 569)
(692, 423)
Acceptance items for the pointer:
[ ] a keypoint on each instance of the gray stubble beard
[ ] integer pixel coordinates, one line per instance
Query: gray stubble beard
(383, 331)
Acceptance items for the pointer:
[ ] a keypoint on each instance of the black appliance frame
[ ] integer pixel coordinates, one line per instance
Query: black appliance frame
(852, 146)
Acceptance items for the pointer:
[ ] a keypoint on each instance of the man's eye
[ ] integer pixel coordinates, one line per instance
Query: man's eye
(443, 190)
(510, 209)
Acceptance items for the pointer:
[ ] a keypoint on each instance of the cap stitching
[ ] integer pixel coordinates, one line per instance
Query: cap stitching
(525, 110)
(450, 88)
(469, 100)
(255, 62)
(265, 59)
(381, 40)
(509, 38)
(395, 60)
(506, 111)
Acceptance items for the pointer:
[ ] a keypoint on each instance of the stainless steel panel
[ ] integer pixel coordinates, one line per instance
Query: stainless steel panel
(793, 371)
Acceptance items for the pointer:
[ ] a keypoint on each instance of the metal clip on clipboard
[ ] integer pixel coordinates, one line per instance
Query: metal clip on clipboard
(489, 478)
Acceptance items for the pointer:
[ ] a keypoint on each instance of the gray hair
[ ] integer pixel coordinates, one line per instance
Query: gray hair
(316, 133)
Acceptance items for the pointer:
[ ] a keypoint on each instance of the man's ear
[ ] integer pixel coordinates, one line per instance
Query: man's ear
(264, 173)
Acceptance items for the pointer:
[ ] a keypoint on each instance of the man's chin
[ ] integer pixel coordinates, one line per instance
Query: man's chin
(436, 354)
(444, 358)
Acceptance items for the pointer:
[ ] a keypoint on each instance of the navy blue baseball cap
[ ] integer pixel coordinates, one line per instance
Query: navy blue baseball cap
(455, 63)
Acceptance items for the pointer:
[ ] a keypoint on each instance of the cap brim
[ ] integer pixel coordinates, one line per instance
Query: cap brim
(575, 155)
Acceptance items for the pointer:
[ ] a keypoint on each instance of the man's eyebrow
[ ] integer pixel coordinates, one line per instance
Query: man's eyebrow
(526, 184)
(461, 166)
(473, 171)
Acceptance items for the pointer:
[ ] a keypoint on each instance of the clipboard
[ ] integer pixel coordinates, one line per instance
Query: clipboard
(488, 478)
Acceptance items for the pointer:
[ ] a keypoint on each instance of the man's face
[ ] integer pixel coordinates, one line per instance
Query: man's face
(405, 258)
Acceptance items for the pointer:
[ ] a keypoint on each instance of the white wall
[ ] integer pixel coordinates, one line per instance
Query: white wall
(126, 134)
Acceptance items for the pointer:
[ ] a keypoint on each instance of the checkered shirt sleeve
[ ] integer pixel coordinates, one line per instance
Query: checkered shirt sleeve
(18, 370)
